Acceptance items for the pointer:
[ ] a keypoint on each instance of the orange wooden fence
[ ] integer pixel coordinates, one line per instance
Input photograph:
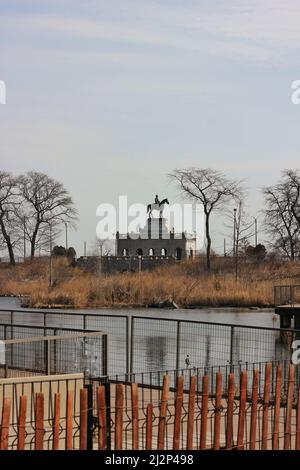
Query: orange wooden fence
(184, 419)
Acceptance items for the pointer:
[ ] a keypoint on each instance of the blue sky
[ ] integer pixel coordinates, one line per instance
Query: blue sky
(109, 96)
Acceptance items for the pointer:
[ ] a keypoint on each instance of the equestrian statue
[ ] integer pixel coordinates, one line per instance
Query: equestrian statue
(158, 205)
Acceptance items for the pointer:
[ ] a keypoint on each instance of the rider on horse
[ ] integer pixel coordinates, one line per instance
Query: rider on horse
(158, 205)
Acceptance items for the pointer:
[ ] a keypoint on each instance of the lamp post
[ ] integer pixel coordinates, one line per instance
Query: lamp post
(50, 258)
(66, 227)
(255, 230)
(235, 244)
(100, 257)
(24, 237)
(234, 232)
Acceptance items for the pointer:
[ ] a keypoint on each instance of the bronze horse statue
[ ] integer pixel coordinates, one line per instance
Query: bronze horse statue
(159, 207)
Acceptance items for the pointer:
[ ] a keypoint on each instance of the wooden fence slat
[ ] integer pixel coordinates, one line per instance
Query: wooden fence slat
(69, 420)
(242, 410)
(253, 419)
(83, 418)
(101, 405)
(39, 421)
(297, 438)
(135, 415)
(4, 434)
(230, 405)
(22, 422)
(191, 413)
(204, 412)
(149, 427)
(218, 404)
(289, 408)
(119, 416)
(163, 413)
(178, 412)
(56, 421)
(265, 423)
(275, 437)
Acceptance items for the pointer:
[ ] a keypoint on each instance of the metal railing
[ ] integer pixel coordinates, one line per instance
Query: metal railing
(22, 331)
(139, 343)
(169, 344)
(150, 391)
(154, 380)
(57, 354)
(116, 326)
(14, 388)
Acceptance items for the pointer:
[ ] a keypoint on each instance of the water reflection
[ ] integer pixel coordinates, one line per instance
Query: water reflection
(156, 352)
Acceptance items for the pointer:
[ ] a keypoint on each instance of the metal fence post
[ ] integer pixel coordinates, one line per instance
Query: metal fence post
(105, 355)
(108, 415)
(231, 347)
(178, 339)
(90, 426)
(55, 352)
(128, 345)
(12, 336)
(48, 357)
(131, 345)
(12, 319)
(45, 323)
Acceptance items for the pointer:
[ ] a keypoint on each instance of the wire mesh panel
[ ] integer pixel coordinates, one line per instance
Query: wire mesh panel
(163, 343)
(204, 344)
(5, 316)
(149, 386)
(117, 326)
(153, 344)
(28, 317)
(65, 320)
(49, 386)
(260, 345)
(22, 331)
(81, 354)
(73, 353)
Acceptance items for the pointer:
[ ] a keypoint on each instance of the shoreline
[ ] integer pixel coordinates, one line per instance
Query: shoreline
(122, 306)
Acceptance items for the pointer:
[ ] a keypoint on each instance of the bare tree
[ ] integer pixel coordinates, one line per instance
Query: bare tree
(292, 177)
(212, 189)
(47, 204)
(8, 201)
(282, 214)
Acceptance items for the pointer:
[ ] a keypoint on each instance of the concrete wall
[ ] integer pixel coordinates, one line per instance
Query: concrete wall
(116, 264)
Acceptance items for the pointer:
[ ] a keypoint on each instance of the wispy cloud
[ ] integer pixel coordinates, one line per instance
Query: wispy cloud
(255, 31)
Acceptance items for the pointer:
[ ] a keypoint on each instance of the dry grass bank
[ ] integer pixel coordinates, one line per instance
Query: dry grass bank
(185, 283)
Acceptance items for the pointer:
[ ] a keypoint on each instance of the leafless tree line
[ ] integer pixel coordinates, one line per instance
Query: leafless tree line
(33, 207)
(218, 194)
(282, 214)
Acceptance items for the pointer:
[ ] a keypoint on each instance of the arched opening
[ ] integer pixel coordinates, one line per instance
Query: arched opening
(139, 252)
(125, 252)
(178, 253)
(151, 252)
(191, 253)
(163, 252)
